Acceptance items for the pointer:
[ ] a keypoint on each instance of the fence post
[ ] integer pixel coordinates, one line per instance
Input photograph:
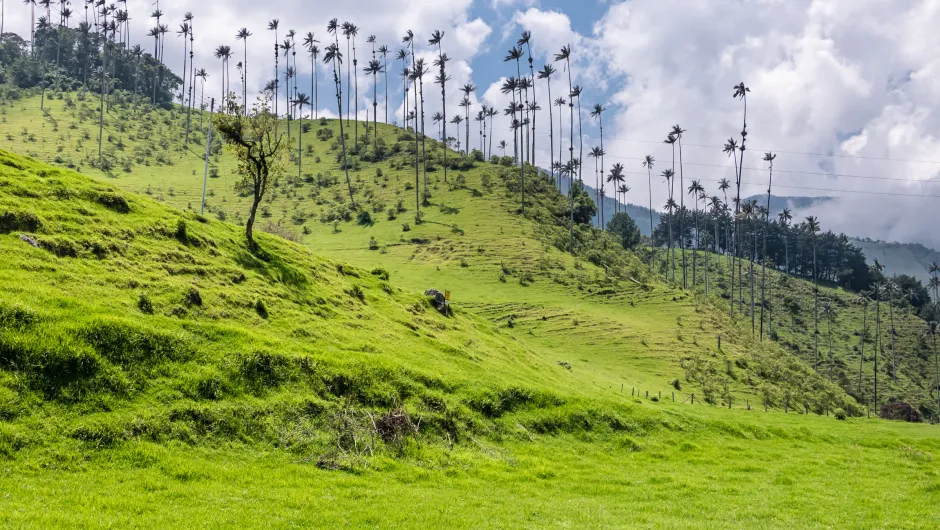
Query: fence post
(729, 402)
(673, 397)
(748, 401)
(693, 398)
(647, 393)
(660, 395)
(621, 388)
(631, 391)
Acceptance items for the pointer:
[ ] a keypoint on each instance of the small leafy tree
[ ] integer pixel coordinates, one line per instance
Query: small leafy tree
(624, 227)
(253, 138)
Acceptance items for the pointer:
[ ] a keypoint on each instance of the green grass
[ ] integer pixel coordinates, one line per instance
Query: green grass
(226, 412)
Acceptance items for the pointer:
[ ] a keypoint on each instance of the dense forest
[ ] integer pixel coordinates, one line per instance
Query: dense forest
(63, 59)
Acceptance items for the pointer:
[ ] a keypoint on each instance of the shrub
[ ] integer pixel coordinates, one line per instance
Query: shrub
(261, 309)
(381, 273)
(405, 227)
(364, 217)
(144, 304)
(373, 244)
(840, 414)
(900, 412)
(193, 297)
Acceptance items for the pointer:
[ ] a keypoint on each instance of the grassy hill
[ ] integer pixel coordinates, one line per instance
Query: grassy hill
(156, 374)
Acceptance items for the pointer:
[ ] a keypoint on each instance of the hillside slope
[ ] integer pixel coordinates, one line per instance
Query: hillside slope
(155, 374)
(620, 322)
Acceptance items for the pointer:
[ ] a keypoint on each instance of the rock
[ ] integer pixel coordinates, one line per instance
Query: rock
(29, 239)
(440, 303)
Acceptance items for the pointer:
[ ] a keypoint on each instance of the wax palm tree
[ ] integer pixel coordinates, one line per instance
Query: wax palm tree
(243, 35)
(598, 113)
(409, 39)
(300, 101)
(437, 38)
(677, 135)
(863, 300)
(480, 118)
(457, 120)
(334, 57)
(769, 158)
(502, 146)
(891, 292)
(468, 89)
(375, 68)
(405, 76)
(669, 175)
(272, 26)
(750, 213)
(812, 228)
(617, 178)
(648, 163)
(546, 73)
(383, 50)
(696, 190)
(731, 148)
(419, 72)
(202, 75)
(595, 153)
(526, 40)
(224, 53)
(724, 186)
(717, 209)
(560, 102)
(829, 313)
(491, 113)
(515, 54)
(624, 189)
(310, 43)
(437, 118)
(509, 86)
(565, 55)
(933, 329)
(289, 71)
(346, 28)
(576, 93)
(784, 218)
(351, 31)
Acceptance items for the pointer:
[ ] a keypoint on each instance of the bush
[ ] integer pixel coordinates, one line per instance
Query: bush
(900, 412)
(364, 218)
(405, 228)
(193, 297)
(839, 414)
(373, 244)
(144, 304)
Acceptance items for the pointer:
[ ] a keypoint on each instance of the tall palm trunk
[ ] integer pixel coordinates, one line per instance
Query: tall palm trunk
(342, 133)
(570, 156)
(894, 358)
(877, 343)
(551, 129)
(815, 311)
(685, 273)
(414, 80)
(356, 98)
(600, 120)
(763, 264)
(861, 357)
(649, 178)
(424, 157)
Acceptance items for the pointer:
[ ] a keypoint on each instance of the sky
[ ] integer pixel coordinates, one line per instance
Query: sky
(844, 92)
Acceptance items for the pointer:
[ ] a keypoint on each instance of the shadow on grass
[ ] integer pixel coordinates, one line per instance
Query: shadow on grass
(272, 267)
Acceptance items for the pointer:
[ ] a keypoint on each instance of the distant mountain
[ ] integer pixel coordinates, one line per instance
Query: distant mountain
(640, 214)
(912, 259)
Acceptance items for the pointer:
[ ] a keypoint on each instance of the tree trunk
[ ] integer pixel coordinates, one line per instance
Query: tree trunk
(250, 225)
